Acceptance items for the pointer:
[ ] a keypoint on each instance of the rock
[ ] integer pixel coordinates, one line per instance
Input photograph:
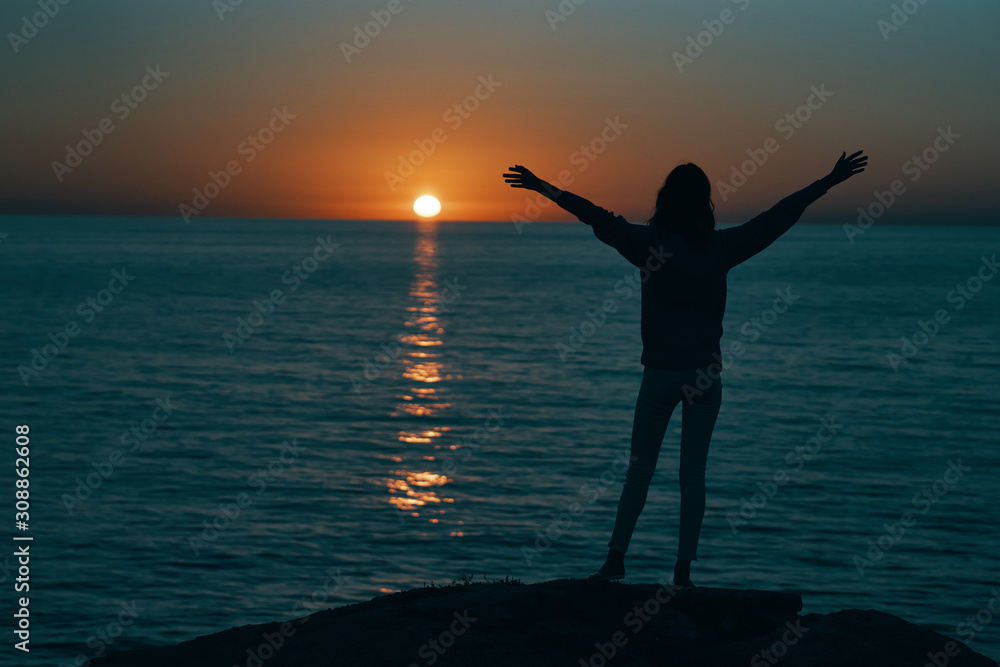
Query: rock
(569, 622)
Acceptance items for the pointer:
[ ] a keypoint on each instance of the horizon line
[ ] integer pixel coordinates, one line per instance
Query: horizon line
(919, 220)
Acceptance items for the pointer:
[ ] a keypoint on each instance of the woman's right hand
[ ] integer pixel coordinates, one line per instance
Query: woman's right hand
(847, 166)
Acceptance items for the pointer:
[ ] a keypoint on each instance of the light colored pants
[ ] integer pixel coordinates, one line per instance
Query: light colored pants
(660, 392)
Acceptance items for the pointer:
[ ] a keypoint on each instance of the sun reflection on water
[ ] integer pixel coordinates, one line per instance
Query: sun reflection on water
(415, 492)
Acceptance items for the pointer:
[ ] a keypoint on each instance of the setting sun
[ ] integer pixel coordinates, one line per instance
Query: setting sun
(427, 206)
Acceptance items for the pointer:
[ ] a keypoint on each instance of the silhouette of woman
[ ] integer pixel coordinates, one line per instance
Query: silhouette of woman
(684, 262)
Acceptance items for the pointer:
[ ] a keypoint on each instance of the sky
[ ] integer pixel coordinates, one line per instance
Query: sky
(352, 110)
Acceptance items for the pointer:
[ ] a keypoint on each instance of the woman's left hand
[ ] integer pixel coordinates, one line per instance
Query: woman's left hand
(523, 178)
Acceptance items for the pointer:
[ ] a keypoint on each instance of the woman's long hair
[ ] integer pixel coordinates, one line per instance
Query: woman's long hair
(684, 204)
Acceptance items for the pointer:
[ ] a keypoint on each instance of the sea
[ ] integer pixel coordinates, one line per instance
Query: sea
(232, 422)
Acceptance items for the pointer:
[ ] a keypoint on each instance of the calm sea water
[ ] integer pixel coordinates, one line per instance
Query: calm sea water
(429, 401)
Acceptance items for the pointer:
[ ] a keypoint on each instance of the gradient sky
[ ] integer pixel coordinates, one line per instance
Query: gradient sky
(892, 91)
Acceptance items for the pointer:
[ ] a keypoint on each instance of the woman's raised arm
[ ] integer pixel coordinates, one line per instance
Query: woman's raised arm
(743, 242)
(631, 241)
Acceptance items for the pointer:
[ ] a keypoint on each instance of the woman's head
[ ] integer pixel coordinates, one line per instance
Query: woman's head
(684, 204)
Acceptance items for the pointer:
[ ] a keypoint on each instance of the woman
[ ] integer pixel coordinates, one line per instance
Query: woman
(683, 300)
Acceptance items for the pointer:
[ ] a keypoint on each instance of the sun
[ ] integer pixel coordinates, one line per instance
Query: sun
(427, 206)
